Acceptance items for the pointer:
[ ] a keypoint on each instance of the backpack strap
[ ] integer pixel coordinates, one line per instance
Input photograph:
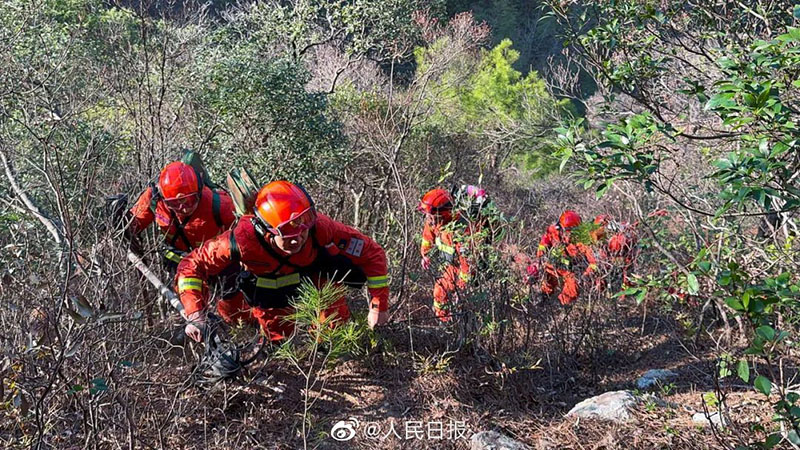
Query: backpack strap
(155, 196)
(215, 208)
(201, 181)
(236, 254)
(179, 233)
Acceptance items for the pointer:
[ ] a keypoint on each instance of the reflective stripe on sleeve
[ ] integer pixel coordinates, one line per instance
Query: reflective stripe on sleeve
(378, 282)
(190, 284)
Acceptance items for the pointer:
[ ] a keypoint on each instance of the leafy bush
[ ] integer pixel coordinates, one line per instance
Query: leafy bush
(722, 152)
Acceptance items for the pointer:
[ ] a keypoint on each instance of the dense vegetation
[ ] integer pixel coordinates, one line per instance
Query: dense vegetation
(677, 118)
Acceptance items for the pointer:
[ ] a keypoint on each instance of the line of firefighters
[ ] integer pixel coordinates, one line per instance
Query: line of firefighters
(258, 261)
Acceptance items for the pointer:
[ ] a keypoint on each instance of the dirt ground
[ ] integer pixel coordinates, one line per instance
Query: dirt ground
(398, 399)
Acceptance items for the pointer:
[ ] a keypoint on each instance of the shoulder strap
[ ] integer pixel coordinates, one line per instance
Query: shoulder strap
(201, 180)
(178, 231)
(155, 196)
(236, 255)
(215, 208)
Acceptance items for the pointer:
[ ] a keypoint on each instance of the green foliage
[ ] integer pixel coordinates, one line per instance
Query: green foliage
(750, 96)
(583, 233)
(316, 339)
(362, 27)
(626, 151)
(266, 119)
(52, 52)
(756, 98)
(743, 370)
(497, 87)
(484, 97)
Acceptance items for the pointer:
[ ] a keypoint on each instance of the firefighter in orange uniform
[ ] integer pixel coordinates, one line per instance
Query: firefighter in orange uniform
(284, 241)
(187, 212)
(437, 205)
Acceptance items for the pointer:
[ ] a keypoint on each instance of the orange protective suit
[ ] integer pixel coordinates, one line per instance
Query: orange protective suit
(213, 215)
(456, 272)
(270, 278)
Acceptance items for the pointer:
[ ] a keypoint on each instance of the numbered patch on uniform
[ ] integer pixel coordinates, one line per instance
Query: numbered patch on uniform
(355, 247)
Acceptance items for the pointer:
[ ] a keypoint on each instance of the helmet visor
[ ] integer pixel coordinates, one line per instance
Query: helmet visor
(433, 210)
(296, 225)
(185, 204)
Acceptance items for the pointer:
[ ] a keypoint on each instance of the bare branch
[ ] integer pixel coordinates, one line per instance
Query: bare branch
(52, 226)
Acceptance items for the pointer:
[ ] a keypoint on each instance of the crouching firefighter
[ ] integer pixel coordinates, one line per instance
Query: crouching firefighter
(437, 205)
(283, 241)
(450, 225)
(189, 210)
(185, 208)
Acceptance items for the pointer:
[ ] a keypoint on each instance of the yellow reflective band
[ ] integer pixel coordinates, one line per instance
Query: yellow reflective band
(378, 282)
(464, 276)
(172, 256)
(190, 284)
(277, 283)
(444, 247)
(426, 243)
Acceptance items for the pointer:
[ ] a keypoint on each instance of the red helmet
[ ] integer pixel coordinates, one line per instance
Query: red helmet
(179, 188)
(569, 219)
(285, 209)
(436, 202)
(178, 180)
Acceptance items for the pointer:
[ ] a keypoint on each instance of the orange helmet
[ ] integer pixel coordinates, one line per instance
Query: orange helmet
(569, 219)
(436, 202)
(178, 180)
(285, 209)
(180, 188)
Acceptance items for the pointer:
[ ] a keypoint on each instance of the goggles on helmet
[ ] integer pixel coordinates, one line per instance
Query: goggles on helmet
(184, 204)
(296, 225)
(428, 209)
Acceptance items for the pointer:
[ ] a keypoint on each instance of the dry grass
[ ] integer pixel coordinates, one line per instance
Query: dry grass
(396, 386)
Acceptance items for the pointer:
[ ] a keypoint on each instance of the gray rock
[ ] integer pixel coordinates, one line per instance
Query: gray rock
(614, 406)
(492, 440)
(654, 377)
(715, 417)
